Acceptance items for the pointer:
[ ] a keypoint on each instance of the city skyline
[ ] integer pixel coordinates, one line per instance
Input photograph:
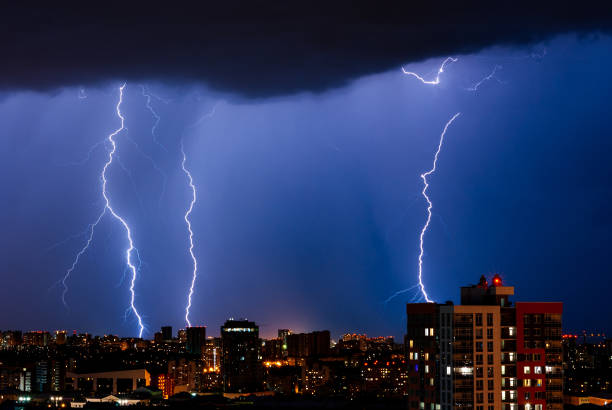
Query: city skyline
(212, 330)
(491, 351)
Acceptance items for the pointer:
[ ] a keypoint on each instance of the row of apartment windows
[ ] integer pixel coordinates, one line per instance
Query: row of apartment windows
(539, 395)
(490, 397)
(479, 359)
(547, 318)
(480, 372)
(415, 356)
(532, 382)
(479, 332)
(536, 357)
(490, 384)
(536, 369)
(479, 346)
(508, 382)
(478, 319)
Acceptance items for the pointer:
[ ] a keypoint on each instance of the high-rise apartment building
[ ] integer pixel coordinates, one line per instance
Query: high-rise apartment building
(241, 364)
(486, 353)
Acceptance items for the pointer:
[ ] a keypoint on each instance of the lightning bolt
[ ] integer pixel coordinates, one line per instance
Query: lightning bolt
(149, 96)
(108, 207)
(420, 285)
(128, 232)
(486, 78)
(401, 292)
(430, 204)
(187, 216)
(440, 71)
(75, 262)
(188, 222)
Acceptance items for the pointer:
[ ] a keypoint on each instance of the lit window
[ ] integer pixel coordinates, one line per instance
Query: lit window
(426, 331)
(537, 369)
(426, 368)
(431, 331)
(448, 370)
(526, 370)
(411, 343)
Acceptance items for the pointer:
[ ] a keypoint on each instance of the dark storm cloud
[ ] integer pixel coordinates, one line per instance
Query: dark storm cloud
(263, 48)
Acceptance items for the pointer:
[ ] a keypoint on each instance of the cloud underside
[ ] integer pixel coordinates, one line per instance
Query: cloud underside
(264, 48)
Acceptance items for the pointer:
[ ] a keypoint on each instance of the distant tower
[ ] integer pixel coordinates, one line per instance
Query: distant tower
(241, 361)
(166, 333)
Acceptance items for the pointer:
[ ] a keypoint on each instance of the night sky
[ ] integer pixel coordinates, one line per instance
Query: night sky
(309, 201)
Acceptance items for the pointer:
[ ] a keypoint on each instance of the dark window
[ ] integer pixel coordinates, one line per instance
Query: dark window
(478, 319)
(489, 319)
